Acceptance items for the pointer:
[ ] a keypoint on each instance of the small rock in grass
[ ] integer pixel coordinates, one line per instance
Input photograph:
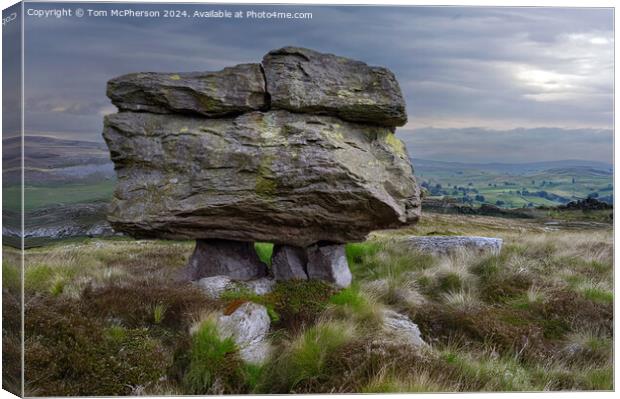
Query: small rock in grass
(215, 286)
(400, 328)
(260, 286)
(248, 326)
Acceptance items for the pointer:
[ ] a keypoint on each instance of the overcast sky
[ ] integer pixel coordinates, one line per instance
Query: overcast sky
(480, 83)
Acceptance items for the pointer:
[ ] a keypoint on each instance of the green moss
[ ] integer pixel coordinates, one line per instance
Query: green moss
(394, 143)
(356, 252)
(266, 185)
(175, 77)
(264, 251)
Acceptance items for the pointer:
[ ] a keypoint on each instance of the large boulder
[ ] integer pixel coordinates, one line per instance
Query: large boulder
(275, 176)
(231, 91)
(303, 80)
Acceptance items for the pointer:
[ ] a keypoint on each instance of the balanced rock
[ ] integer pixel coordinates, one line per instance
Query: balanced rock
(231, 91)
(274, 176)
(299, 151)
(303, 80)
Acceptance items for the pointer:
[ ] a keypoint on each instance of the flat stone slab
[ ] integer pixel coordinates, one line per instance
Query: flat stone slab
(303, 80)
(450, 244)
(231, 91)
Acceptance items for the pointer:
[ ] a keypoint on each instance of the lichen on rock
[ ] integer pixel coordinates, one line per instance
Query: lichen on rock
(299, 151)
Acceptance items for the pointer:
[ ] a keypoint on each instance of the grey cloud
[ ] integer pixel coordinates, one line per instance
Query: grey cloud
(514, 145)
(498, 68)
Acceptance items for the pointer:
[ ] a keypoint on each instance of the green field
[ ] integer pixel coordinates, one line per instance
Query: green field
(517, 190)
(45, 196)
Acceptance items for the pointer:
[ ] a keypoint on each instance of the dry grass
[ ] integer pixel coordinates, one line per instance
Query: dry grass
(538, 316)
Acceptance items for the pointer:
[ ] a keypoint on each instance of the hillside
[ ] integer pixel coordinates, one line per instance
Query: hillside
(517, 185)
(537, 316)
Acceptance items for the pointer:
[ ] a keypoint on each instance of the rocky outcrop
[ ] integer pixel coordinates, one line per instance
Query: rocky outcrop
(302, 80)
(450, 244)
(303, 156)
(231, 91)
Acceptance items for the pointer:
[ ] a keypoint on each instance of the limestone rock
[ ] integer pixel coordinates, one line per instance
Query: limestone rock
(449, 244)
(248, 326)
(231, 91)
(215, 286)
(400, 328)
(303, 80)
(261, 286)
(289, 263)
(329, 263)
(236, 260)
(275, 176)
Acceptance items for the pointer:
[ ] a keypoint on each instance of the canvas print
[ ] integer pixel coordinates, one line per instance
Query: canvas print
(211, 199)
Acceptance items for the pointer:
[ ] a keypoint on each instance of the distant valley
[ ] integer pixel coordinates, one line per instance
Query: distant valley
(516, 185)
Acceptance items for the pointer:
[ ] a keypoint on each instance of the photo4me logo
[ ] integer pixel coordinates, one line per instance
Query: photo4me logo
(12, 17)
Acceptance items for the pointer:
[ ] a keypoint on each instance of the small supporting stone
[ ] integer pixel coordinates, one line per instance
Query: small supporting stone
(289, 263)
(328, 262)
(234, 259)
